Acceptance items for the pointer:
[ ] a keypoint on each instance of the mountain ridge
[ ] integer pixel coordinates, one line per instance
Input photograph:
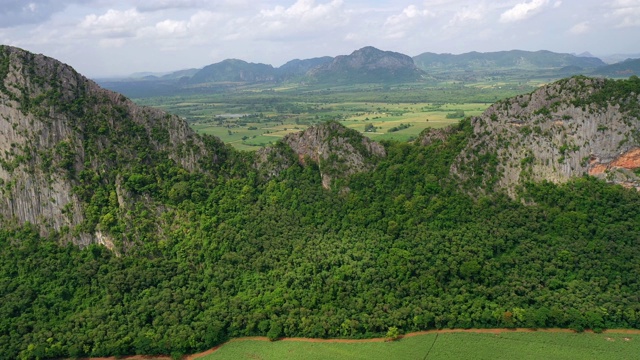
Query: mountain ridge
(184, 242)
(512, 59)
(60, 131)
(571, 128)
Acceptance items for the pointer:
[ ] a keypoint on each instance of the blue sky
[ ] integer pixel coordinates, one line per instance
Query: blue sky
(114, 37)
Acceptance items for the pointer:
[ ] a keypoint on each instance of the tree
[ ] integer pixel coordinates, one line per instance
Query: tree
(274, 331)
(392, 334)
(369, 127)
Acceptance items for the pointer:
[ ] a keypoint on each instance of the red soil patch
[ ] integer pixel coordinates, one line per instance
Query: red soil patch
(598, 169)
(629, 160)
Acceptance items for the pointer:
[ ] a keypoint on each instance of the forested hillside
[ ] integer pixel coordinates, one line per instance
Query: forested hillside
(222, 249)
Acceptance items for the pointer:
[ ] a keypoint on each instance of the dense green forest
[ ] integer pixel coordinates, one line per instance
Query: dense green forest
(401, 246)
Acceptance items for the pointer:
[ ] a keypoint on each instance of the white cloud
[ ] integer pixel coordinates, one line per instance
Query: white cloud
(113, 24)
(410, 12)
(523, 10)
(303, 11)
(626, 13)
(397, 26)
(580, 28)
(303, 18)
(467, 14)
(171, 28)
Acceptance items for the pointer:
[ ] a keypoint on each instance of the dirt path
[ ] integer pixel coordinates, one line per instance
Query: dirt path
(352, 341)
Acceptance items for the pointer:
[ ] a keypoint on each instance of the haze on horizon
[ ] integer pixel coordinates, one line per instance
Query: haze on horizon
(108, 38)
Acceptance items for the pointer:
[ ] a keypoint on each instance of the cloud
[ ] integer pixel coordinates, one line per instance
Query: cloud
(397, 26)
(156, 5)
(17, 12)
(303, 11)
(171, 27)
(523, 10)
(113, 24)
(303, 18)
(580, 28)
(626, 13)
(467, 14)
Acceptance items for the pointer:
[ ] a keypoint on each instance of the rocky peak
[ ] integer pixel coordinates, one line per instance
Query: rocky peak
(372, 58)
(60, 133)
(369, 64)
(338, 151)
(570, 128)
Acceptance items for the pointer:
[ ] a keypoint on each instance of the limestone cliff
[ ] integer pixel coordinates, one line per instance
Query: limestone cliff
(572, 127)
(61, 133)
(338, 151)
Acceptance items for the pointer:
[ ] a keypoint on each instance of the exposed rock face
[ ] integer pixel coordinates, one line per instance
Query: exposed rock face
(338, 151)
(569, 128)
(431, 135)
(56, 127)
(369, 64)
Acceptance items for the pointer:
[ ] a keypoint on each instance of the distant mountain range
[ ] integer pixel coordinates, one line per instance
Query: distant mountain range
(514, 59)
(371, 65)
(622, 69)
(365, 65)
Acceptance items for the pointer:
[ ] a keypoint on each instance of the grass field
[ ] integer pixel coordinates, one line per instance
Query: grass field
(505, 345)
(250, 131)
(252, 117)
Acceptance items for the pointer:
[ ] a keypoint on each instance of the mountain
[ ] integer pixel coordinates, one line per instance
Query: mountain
(233, 70)
(513, 59)
(65, 142)
(365, 65)
(622, 69)
(180, 74)
(584, 54)
(338, 151)
(84, 163)
(571, 128)
(184, 242)
(368, 65)
(298, 67)
(616, 58)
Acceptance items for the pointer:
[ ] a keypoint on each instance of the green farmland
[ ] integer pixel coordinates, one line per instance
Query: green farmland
(252, 117)
(505, 345)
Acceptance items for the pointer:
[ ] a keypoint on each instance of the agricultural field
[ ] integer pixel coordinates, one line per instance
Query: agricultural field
(251, 117)
(494, 346)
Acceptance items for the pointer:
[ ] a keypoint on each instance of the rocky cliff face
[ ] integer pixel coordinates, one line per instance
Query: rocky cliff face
(60, 132)
(338, 151)
(569, 128)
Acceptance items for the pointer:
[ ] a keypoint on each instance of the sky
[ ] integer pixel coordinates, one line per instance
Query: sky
(101, 38)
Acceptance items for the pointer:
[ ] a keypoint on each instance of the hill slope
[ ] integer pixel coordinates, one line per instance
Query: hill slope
(234, 70)
(625, 68)
(64, 140)
(368, 65)
(568, 129)
(209, 243)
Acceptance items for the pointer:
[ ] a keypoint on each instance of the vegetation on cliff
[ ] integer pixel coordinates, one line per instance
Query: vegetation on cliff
(207, 250)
